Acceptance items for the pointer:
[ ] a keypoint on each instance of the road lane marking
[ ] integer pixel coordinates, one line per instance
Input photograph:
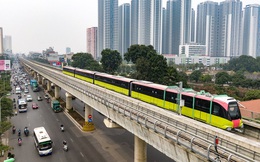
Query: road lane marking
(81, 154)
(71, 139)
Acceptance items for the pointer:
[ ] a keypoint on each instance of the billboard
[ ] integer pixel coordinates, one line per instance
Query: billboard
(5, 65)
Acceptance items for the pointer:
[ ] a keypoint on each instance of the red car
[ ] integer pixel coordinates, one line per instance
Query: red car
(35, 106)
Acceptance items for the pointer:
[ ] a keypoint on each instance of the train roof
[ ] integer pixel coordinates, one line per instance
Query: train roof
(207, 96)
(69, 67)
(86, 71)
(116, 77)
(150, 84)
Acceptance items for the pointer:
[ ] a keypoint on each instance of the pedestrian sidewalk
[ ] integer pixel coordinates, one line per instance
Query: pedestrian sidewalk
(5, 141)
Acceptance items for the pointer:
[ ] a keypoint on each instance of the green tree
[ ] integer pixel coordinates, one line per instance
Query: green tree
(41, 60)
(111, 60)
(134, 52)
(172, 76)
(195, 75)
(184, 78)
(153, 69)
(85, 61)
(222, 78)
(205, 78)
(6, 108)
(238, 78)
(252, 94)
(244, 63)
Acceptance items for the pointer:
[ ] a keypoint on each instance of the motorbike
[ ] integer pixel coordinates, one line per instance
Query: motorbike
(62, 128)
(19, 133)
(26, 131)
(19, 141)
(65, 146)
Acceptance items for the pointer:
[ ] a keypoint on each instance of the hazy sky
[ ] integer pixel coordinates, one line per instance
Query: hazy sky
(39, 24)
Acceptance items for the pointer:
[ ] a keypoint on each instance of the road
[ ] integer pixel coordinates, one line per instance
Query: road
(103, 144)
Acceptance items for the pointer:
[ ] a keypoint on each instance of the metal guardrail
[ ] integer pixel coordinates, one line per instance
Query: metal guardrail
(178, 132)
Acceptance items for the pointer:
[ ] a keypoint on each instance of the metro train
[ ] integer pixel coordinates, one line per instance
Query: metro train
(220, 111)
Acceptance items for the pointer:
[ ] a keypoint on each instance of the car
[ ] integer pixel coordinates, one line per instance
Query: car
(35, 106)
(26, 90)
(29, 98)
(39, 98)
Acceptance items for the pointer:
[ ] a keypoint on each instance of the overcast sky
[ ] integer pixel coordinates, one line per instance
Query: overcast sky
(38, 24)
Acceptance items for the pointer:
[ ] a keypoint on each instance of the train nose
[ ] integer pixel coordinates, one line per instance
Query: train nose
(236, 123)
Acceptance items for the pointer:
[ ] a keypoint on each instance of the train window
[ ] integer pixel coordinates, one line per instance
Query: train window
(233, 110)
(188, 101)
(219, 110)
(202, 105)
(69, 70)
(171, 97)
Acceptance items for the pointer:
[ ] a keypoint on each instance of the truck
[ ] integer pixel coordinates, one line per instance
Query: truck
(34, 85)
(55, 105)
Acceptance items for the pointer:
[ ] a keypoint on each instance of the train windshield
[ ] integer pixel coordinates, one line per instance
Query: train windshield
(234, 111)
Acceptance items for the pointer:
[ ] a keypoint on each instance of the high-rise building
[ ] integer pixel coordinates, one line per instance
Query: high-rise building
(164, 32)
(107, 25)
(172, 23)
(146, 23)
(185, 29)
(229, 28)
(134, 21)
(7, 44)
(92, 41)
(1, 41)
(124, 28)
(68, 50)
(192, 38)
(206, 29)
(251, 31)
(177, 21)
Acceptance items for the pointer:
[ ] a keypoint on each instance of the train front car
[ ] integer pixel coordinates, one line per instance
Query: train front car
(232, 116)
(235, 116)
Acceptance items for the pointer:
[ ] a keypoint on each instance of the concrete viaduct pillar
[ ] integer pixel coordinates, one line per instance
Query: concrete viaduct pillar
(48, 85)
(57, 92)
(43, 81)
(89, 125)
(39, 79)
(34, 75)
(140, 150)
(68, 100)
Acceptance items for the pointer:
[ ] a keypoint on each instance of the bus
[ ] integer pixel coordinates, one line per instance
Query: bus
(42, 140)
(22, 105)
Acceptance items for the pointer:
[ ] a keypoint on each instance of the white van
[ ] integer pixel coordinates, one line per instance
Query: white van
(17, 90)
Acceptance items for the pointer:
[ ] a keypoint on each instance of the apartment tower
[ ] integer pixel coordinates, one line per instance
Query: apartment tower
(124, 28)
(92, 41)
(206, 30)
(107, 26)
(251, 31)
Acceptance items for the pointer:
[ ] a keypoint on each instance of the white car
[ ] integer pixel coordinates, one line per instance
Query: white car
(29, 98)
(26, 90)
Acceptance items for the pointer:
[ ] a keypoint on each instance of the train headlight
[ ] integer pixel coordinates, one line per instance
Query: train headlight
(229, 129)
